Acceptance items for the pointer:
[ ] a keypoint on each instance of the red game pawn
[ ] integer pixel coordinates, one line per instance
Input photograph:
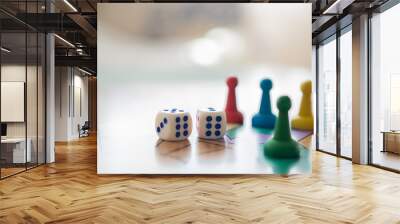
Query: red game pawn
(233, 115)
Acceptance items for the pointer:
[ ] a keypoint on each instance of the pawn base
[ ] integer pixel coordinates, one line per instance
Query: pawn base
(263, 121)
(234, 117)
(303, 123)
(282, 149)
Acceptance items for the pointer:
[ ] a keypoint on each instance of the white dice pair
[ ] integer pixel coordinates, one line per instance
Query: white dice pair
(176, 124)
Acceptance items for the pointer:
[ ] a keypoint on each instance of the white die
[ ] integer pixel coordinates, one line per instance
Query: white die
(173, 125)
(211, 123)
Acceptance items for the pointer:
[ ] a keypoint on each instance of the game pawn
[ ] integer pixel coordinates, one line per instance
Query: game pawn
(264, 118)
(233, 115)
(305, 119)
(281, 145)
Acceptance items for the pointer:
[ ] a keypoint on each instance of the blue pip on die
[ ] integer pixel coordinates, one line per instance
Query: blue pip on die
(173, 124)
(211, 123)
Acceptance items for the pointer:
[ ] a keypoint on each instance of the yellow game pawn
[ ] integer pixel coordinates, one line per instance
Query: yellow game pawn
(305, 118)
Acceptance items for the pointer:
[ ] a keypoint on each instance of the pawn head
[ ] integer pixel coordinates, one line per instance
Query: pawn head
(306, 87)
(266, 84)
(232, 81)
(284, 103)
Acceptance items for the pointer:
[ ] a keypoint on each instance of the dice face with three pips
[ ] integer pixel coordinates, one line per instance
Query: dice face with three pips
(173, 124)
(211, 123)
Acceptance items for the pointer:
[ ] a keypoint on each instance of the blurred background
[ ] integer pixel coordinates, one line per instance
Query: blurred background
(182, 44)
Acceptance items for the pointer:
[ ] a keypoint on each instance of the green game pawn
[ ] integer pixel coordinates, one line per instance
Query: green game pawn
(282, 145)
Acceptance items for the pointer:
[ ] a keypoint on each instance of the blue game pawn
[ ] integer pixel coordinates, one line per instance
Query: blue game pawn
(264, 118)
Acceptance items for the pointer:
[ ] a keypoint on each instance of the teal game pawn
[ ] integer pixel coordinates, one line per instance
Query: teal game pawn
(282, 145)
(264, 118)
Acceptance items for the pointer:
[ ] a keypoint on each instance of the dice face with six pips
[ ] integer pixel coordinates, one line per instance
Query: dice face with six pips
(173, 124)
(211, 123)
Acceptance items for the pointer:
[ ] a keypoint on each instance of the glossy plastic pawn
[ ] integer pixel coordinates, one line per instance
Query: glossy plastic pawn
(305, 119)
(281, 145)
(264, 118)
(233, 115)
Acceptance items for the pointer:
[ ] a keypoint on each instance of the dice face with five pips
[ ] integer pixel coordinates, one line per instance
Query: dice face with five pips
(173, 124)
(211, 123)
